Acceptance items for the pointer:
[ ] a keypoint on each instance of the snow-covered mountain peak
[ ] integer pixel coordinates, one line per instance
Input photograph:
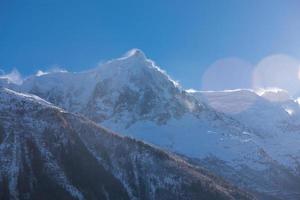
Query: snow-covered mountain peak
(135, 53)
(134, 65)
(134, 58)
(137, 72)
(128, 89)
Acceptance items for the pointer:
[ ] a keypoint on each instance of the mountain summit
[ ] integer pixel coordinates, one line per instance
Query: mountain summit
(136, 53)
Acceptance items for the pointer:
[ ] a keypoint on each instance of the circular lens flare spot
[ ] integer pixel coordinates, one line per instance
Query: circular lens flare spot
(277, 71)
(228, 73)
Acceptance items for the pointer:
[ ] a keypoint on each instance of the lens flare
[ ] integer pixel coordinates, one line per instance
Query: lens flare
(228, 73)
(277, 71)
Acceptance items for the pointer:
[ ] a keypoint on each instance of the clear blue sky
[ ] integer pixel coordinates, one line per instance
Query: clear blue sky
(183, 37)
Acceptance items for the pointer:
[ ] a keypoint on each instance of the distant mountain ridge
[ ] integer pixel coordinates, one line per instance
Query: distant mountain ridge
(269, 113)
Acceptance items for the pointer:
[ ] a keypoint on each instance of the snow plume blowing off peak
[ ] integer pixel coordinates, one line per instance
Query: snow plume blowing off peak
(13, 77)
(135, 53)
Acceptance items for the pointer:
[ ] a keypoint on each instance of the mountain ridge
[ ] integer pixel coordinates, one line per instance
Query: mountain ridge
(49, 153)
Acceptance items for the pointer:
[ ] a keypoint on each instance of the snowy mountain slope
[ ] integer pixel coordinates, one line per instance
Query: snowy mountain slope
(131, 95)
(274, 115)
(48, 153)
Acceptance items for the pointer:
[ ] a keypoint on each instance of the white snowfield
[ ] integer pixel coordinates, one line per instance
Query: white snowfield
(247, 138)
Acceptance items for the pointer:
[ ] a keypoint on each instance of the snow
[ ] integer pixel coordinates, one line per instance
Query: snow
(275, 94)
(289, 111)
(7, 95)
(272, 118)
(195, 138)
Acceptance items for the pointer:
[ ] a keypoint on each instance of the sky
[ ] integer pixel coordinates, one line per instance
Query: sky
(192, 40)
